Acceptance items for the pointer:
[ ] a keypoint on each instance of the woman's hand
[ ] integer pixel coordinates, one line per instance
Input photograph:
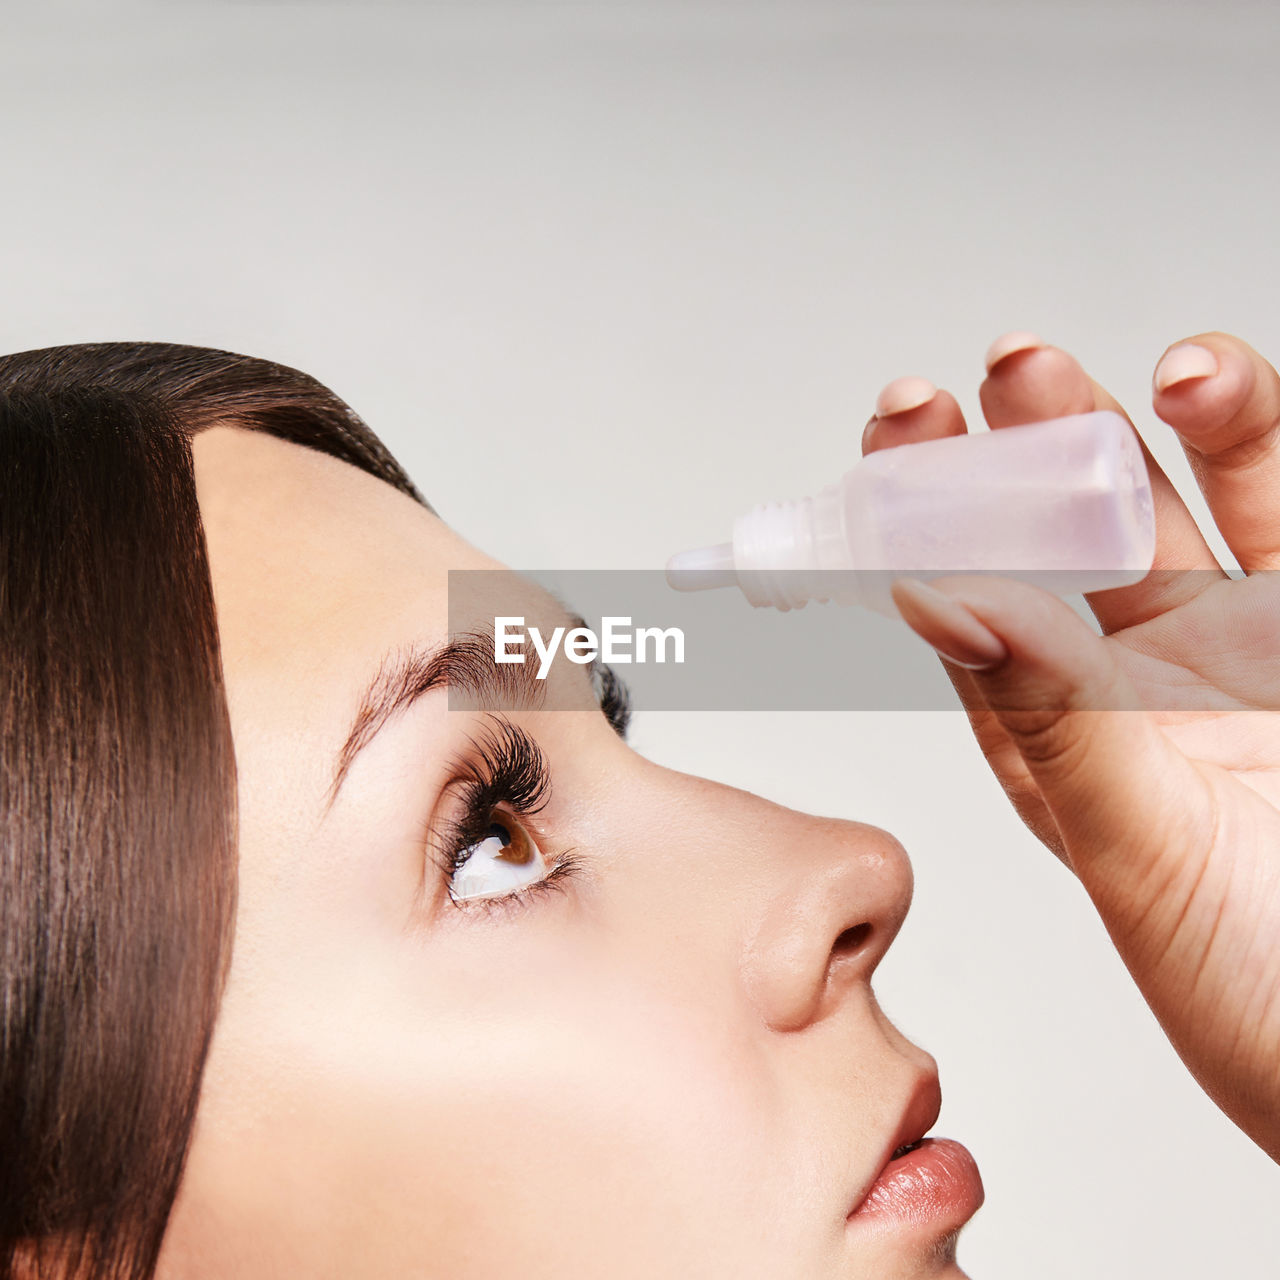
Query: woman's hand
(1148, 758)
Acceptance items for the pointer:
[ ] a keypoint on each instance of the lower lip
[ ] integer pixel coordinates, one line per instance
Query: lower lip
(936, 1186)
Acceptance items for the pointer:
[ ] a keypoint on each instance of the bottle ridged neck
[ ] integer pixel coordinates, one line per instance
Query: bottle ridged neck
(782, 550)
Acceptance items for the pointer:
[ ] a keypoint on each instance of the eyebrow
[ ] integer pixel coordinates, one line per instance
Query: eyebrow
(466, 662)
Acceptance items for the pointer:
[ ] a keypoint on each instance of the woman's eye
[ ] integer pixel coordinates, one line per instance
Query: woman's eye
(505, 860)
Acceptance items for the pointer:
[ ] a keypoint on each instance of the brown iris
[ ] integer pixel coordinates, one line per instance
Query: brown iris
(518, 846)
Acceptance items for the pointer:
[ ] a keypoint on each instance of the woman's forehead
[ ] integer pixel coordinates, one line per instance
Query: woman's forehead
(316, 565)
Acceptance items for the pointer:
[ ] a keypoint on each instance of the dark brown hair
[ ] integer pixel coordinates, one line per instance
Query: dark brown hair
(117, 780)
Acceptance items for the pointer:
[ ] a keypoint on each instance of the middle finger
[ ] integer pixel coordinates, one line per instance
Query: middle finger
(1028, 381)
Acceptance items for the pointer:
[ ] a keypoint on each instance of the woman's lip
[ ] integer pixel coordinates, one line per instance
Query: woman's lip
(937, 1185)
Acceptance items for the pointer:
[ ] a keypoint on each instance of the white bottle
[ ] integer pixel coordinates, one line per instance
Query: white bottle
(1064, 504)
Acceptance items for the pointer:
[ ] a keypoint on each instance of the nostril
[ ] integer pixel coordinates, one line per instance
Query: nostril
(852, 940)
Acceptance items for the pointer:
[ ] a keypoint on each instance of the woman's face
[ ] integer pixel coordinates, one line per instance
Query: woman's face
(666, 1061)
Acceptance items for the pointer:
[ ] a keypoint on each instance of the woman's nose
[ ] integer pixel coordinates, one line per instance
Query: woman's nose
(838, 898)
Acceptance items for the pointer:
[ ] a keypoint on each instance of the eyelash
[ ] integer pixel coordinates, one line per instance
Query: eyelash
(505, 770)
(614, 698)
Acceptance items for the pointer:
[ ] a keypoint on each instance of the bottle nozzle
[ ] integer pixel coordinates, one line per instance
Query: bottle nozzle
(702, 568)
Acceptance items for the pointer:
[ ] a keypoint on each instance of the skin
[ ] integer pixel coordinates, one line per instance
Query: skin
(1147, 758)
(675, 1067)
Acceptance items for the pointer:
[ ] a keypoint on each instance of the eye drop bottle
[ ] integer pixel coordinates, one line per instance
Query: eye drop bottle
(1064, 504)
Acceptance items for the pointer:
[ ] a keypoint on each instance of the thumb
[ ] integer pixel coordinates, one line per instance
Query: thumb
(1127, 803)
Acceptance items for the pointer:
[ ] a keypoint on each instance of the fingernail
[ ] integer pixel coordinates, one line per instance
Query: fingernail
(1008, 343)
(866, 431)
(957, 635)
(1182, 363)
(903, 394)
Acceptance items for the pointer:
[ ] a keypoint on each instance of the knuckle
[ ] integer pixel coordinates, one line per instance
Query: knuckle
(1248, 452)
(1050, 740)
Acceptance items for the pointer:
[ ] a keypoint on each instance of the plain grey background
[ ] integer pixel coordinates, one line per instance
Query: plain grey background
(604, 274)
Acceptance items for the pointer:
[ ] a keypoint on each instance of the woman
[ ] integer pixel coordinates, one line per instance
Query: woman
(504, 997)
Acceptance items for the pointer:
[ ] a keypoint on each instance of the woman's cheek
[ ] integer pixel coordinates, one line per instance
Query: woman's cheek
(513, 1068)
(583, 1105)
(537, 1069)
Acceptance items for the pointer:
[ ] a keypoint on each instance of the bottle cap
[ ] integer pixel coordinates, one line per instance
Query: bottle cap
(703, 568)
